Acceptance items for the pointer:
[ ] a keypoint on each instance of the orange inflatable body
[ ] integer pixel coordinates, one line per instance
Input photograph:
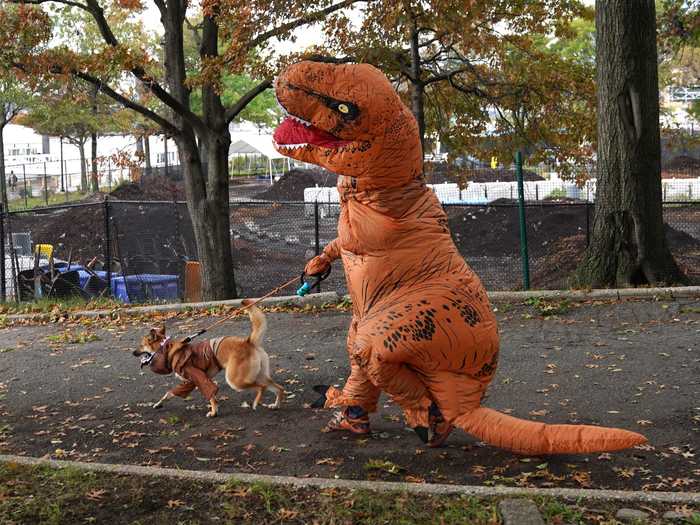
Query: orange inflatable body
(423, 329)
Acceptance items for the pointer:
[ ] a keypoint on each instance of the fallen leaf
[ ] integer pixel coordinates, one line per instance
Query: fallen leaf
(96, 494)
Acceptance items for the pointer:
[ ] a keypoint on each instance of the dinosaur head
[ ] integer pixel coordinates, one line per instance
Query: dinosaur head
(348, 119)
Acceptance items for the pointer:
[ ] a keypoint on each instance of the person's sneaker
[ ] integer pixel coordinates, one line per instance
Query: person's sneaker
(439, 428)
(344, 421)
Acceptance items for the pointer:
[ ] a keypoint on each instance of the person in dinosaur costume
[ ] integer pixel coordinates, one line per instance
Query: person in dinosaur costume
(422, 330)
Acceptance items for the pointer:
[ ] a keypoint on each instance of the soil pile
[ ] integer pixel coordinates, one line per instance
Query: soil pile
(494, 230)
(564, 255)
(153, 188)
(290, 187)
(440, 173)
(682, 162)
(156, 238)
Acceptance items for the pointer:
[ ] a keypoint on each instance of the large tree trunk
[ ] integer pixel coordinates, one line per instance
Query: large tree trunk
(628, 245)
(209, 210)
(207, 191)
(3, 177)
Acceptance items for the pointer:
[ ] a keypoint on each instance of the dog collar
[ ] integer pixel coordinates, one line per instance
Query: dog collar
(147, 358)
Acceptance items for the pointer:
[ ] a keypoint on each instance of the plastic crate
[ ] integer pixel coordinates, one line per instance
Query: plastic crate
(145, 287)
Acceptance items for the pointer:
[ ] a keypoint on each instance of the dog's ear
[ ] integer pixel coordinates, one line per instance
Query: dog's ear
(153, 334)
(246, 302)
(161, 331)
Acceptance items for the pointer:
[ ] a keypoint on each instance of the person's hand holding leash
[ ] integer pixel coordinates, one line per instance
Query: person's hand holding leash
(317, 265)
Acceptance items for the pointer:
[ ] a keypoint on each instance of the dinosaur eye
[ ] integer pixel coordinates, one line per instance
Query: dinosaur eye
(348, 110)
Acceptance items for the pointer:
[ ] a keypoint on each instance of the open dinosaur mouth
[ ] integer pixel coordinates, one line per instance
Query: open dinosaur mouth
(295, 133)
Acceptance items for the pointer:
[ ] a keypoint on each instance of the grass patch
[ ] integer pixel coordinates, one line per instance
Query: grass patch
(690, 310)
(44, 495)
(554, 511)
(549, 307)
(382, 465)
(38, 201)
(72, 338)
(45, 306)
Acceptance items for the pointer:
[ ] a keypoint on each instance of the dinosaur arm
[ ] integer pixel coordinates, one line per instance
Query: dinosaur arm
(332, 250)
(320, 263)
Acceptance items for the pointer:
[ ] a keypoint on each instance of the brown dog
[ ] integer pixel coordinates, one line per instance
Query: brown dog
(244, 360)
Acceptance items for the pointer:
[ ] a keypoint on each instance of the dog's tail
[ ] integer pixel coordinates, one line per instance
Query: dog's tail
(259, 322)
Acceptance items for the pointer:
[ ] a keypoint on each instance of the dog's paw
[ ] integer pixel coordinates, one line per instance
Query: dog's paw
(272, 406)
(157, 405)
(211, 413)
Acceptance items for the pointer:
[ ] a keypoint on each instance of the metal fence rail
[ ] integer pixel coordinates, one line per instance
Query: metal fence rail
(137, 250)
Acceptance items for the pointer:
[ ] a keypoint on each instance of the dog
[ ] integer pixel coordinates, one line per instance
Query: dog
(244, 361)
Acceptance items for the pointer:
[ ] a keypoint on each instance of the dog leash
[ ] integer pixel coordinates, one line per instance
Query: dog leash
(303, 290)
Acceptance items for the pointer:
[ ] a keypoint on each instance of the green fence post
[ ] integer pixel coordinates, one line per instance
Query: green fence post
(521, 209)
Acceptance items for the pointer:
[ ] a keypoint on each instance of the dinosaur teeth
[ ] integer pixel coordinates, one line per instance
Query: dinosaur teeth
(293, 146)
(300, 120)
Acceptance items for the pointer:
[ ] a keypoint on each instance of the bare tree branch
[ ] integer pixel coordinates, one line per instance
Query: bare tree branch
(233, 111)
(195, 29)
(94, 8)
(167, 126)
(38, 2)
(312, 17)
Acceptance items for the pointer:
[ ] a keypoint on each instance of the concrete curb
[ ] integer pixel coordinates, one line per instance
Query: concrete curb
(582, 295)
(316, 299)
(380, 486)
(319, 299)
(622, 293)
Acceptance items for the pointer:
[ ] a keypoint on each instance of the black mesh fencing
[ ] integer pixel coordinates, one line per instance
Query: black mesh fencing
(75, 232)
(150, 242)
(272, 241)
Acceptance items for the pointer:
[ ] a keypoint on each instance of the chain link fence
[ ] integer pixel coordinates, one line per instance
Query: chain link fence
(137, 250)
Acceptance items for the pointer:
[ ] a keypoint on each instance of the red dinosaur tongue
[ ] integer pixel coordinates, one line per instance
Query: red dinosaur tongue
(293, 133)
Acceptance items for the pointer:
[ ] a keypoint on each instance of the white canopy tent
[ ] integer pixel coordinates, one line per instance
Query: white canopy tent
(245, 144)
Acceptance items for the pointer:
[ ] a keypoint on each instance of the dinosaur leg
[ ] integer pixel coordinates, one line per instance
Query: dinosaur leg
(404, 386)
(359, 391)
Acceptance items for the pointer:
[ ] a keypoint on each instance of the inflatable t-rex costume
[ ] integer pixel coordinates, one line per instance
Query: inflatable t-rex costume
(422, 328)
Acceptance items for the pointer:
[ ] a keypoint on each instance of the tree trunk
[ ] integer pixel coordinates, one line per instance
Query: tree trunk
(3, 177)
(207, 191)
(417, 86)
(93, 164)
(628, 244)
(147, 153)
(209, 210)
(93, 139)
(83, 167)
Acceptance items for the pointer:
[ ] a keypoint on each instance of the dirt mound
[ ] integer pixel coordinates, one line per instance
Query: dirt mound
(494, 230)
(564, 255)
(290, 187)
(154, 188)
(441, 173)
(682, 162)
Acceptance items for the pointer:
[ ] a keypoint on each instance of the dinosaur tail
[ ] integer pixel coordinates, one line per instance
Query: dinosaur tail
(533, 438)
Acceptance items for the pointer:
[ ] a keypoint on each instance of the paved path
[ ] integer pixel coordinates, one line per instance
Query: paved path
(633, 364)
